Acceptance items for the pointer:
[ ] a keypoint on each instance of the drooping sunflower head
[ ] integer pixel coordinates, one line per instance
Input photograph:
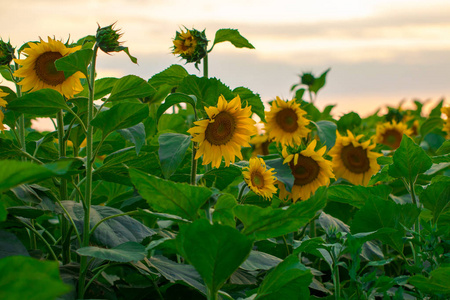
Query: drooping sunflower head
(391, 133)
(3, 104)
(310, 170)
(260, 179)
(227, 129)
(190, 45)
(107, 39)
(353, 160)
(260, 144)
(446, 111)
(285, 122)
(38, 70)
(6, 53)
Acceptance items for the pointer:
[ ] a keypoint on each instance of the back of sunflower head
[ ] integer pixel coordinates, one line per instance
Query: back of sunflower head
(6, 53)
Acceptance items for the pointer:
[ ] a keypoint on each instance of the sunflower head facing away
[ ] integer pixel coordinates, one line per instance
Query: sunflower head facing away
(260, 179)
(353, 160)
(190, 45)
(446, 111)
(107, 39)
(285, 122)
(38, 69)
(6, 53)
(260, 144)
(391, 133)
(310, 171)
(227, 129)
(3, 104)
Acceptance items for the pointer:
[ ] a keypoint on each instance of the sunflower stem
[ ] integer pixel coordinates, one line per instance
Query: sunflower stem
(21, 124)
(88, 181)
(241, 192)
(205, 65)
(310, 96)
(194, 164)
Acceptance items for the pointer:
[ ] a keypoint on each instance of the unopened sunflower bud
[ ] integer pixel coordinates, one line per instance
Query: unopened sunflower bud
(190, 45)
(6, 53)
(307, 79)
(107, 39)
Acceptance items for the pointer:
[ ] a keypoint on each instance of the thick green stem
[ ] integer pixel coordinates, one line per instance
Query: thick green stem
(205, 66)
(337, 283)
(88, 181)
(65, 240)
(311, 96)
(194, 164)
(211, 295)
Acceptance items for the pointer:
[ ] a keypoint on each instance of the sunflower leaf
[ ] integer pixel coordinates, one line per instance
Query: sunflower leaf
(131, 86)
(233, 36)
(126, 252)
(327, 132)
(42, 103)
(173, 99)
(75, 62)
(172, 149)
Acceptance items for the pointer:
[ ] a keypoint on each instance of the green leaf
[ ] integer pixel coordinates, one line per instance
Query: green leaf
(436, 198)
(379, 214)
(444, 148)
(112, 232)
(9, 244)
(223, 210)
(9, 150)
(436, 284)
(357, 195)
(166, 81)
(179, 199)
(348, 122)
(13, 173)
(130, 86)
(289, 280)
(126, 252)
(258, 260)
(430, 124)
(127, 51)
(233, 36)
(247, 96)
(410, 160)
(283, 172)
(103, 87)
(436, 111)
(172, 149)
(134, 134)
(75, 62)
(263, 223)
(327, 132)
(220, 178)
(215, 251)
(173, 99)
(24, 277)
(319, 82)
(42, 103)
(120, 116)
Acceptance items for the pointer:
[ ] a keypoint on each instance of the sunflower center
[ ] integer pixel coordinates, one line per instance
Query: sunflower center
(392, 138)
(257, 179)
(287, 120)
(355, 159)
(46, 70)
(305, 171)
(221, 131)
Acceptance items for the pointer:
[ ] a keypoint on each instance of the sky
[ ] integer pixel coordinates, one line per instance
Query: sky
(380, 52)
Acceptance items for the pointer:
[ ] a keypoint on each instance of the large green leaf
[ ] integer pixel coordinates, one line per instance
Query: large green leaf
(130, 86)
(134, 134)
(166, 82)
(13, 173)
(388, 217)
(357, 195)
(223, 210)
(436, 284)
(233, 36)
(289, 280)
(327, 132)
(173, 99)
(215, 251)
(263, 223)
(283, 172)
(220, 178)
(10, 245)
(126, 252)
(179, 199)
(348, 122)
(410, 160)
(172, 149)
(103, 87)
(436, 198)
(24, 277)
(112, 232)
(120, 116)
(75, 62)
(430, 124)
(319, 82)
(247, 96)
(42, 103)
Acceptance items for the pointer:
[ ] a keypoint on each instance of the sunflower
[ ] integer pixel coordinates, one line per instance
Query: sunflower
(260, 144)
(259, 178)
(184, 43)
(3, 103)
(285, 122)
(39, 72)
(190, 45)
(390, 134)
(446, 127)
(310, 171)
(221, 135)
(353, 160)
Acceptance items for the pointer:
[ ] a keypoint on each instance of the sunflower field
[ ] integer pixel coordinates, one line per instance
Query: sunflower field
(181, 187)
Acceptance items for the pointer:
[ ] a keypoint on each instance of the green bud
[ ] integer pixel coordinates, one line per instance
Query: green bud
(307, 79)
(190, 45)
(107, 39)
(6, 53)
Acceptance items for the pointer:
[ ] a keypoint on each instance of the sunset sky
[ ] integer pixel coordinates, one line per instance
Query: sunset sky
(379, 51)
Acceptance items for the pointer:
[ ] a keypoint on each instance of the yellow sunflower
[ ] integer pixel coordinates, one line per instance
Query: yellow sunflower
(39, 72)
(185, 43)
(259, 178)
(310, 171)
(390, 134)
(285, 122)
(446, 127)
(353, 160)
(228, 128)
(3, 103)
(260, 144)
